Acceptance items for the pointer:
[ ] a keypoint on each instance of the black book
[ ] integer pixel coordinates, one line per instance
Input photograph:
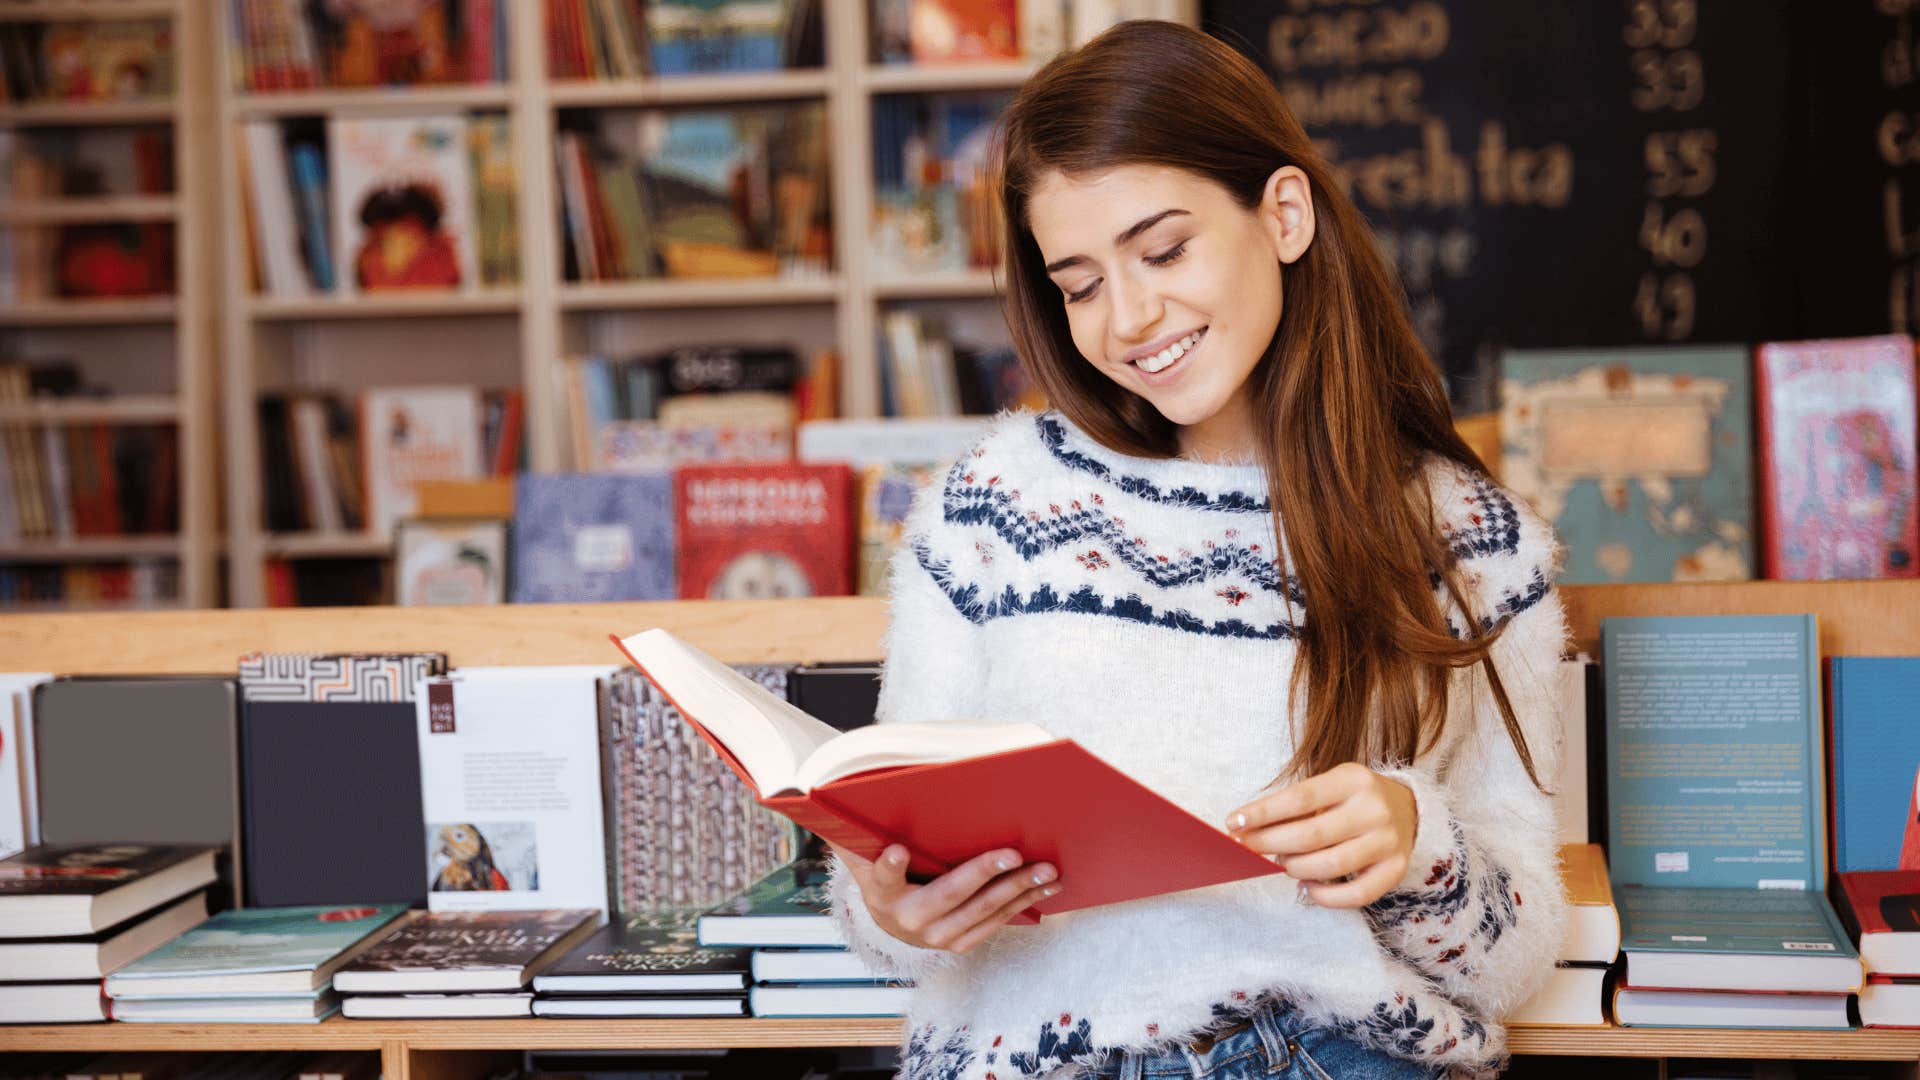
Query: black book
(466, 951)
(844, 695)
(725, 369)
(647, 954)
(57, 890)
(330, 772)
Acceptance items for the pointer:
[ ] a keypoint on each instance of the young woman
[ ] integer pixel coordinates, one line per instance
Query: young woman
(1248, 561)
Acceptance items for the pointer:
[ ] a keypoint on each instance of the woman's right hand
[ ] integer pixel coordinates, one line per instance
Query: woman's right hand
(955, 911)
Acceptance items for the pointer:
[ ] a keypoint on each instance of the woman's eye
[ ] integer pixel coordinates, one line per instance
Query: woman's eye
(1168, 256)
(1076, 297)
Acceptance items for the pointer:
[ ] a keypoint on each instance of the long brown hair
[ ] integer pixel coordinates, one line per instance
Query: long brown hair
(1347, 401)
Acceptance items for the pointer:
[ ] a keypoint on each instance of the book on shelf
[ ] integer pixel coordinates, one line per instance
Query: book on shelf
(1875, 754)
(414, 434)
(63, 890)
(656, 955)
(1836, 442)
(949, 790)
(844, 695)
(95, 956)
(1573, 994)
(495, 202)
(281, 1009)
(1641, 458)
(585, 537)
(786, 965)
(330, 582)
(688, 37)
(787, 908)
(402, 208)
(81, 478)
(513, 810)
(87, 60)
(462, 952)
(1640, 1007)
(683, 832)
(933, 201)
(300, 45)
(435, 1006)
(828, 999)
(450, 561)
(1890, 1001)
(19, 792)
(255, 952)
(763, 530)
(1881, 911)
(643, 1005)
(148, 759)
(52, 1003)
(330, 763)
(1717, 805)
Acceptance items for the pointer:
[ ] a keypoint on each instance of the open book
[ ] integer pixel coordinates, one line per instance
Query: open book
(948, 789)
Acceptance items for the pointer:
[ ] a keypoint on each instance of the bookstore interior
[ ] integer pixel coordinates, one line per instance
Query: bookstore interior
(386, 310)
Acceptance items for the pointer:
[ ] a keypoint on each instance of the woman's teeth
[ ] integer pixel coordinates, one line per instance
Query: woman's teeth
(1171, 353)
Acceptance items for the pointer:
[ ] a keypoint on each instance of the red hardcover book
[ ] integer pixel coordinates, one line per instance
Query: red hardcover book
(1881, 911)
(948, 790)
(944, 30)
(1837, 478)
(764, 530)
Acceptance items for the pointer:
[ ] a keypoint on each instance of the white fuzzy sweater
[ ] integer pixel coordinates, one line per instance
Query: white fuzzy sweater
(1132, 604)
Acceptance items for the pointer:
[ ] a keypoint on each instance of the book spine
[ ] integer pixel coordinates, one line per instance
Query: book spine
(1764, 388)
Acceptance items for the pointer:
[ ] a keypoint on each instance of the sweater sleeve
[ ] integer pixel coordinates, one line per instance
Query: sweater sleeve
(1481, 909)
(932, 672)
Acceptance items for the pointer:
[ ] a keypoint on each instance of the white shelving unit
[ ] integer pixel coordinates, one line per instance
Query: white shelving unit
(126, 331)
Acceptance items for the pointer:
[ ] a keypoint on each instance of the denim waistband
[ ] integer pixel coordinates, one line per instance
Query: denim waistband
(1267, 1035)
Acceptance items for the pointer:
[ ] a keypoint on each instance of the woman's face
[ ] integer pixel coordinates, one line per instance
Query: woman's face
(1171, 288)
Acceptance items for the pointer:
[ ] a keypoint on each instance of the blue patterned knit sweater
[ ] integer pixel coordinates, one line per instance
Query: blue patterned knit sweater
(1133, 604)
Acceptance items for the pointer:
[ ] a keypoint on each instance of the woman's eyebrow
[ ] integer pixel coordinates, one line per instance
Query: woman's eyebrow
(1129, 233)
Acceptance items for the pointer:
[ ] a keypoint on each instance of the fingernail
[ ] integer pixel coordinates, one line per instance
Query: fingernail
(1007, 862)
(1043, 875)
(1237, 821)
(895, 856)
(1050, 890)
(1306, 897)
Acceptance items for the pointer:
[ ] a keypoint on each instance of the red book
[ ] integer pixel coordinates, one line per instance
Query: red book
(1890, 1001)
(1881, 911)
(764, 530)
(1837, 479)
(948, 790)
(964, 30)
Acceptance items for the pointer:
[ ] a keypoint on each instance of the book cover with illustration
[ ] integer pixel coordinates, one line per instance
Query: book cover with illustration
(648, 953)
(788, 907)
(961, 30)
(586, 537)
(402, 202)
(254, 941)
(760, 531)
(93, 869)
(1881, 910)
(510, 787)
(693, 36)
(465, 950)
(450, 562)
(1640, 457)
(1837, 442)
(410, 434)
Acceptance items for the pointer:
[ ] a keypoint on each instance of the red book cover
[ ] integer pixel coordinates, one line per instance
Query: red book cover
(1111, 838)
(479, 31)
(964, 30)
(1881, 910)
(764, 530)
(1837, 440)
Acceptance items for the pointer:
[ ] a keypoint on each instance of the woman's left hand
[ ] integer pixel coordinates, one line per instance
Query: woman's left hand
(1346, 823)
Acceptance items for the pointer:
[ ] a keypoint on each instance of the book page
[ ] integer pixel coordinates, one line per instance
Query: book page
(883, 746)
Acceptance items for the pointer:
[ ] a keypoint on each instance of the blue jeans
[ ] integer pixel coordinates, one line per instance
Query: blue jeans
(1276, 1044)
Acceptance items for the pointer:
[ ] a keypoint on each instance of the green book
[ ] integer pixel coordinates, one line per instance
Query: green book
(788, 907)
(288, 951)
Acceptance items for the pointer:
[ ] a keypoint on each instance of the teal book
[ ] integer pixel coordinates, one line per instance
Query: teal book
(1716, 805)
(289, 952)
(1641, 458)
(787, 908)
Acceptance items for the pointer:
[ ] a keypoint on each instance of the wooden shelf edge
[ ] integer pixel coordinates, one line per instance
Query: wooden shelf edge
(318, 545)
(927, 78)
(691, 89)
(688, 292)
(958, 285)
(373, 99)
(95, 10)
(92, 549)
(85, 113)
(60, 211)
(155, 408)
(133, 311)
(384, 305)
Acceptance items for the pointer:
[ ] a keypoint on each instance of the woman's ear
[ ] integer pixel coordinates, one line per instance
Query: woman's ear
(1286, 207)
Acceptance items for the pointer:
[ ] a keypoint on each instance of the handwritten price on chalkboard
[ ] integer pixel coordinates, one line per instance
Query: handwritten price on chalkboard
(1669, 76)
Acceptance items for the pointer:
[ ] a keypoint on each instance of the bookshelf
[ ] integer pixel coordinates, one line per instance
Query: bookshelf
(1858, 618)
(156, 353)
(270, 343)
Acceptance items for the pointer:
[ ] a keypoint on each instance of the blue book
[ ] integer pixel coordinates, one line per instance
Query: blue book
(1716, 805)
(1876, 752)
(277, 952)
(310, 188)
(691, 36)
(589, 537)
(1641, 458)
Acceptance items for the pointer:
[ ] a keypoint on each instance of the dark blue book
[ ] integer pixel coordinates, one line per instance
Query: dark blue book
(309, 168)
(1876, 752)
(582, 538)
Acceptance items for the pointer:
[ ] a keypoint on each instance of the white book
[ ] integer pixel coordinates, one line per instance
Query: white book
(309, 421)
(510, 786)
(53, 448)
(410, 434)
(640, 1006)
(890, 441)
(783, 749)
(1729, 1009)
(435, 1006)
(1890, 1005)
(51, 1003)
(304, 1009)
(95, 957)
(19, 793)
(811, 965)
(826, 1000)
(402, 202)
(1571, 995)
(1570, 785)
(276, 226)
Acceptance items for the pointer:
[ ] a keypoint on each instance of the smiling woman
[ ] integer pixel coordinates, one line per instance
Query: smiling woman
(1247, 560)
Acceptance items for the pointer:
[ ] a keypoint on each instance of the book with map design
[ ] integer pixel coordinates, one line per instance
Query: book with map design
(948, 790)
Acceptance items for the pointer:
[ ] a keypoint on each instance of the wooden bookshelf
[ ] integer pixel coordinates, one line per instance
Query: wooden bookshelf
(134, 325)
(385, 305)
(692, 89)
(1861, 618)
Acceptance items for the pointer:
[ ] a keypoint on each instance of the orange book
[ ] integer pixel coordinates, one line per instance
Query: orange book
(948, 790)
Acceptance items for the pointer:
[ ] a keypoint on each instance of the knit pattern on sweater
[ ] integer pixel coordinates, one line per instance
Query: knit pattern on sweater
(1136, 605)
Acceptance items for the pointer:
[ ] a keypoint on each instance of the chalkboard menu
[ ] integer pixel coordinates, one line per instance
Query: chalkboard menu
(1609, 172)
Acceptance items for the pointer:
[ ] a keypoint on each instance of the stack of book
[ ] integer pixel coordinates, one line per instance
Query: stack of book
(72, 914)
(261, 965)
(1882, 910)
(801, 964)
(300, 46)
(1576, 991)
(923, 372)
(645, 965)
(713, 403)
(86, 60)
(443, 964)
